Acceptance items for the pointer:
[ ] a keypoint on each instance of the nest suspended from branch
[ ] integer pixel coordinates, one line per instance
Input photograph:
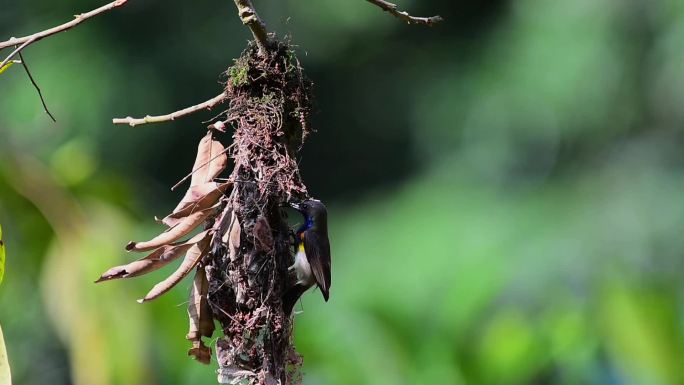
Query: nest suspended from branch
(242, 251)
(269, 108)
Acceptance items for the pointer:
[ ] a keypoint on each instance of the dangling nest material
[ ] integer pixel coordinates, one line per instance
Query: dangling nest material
(242, 254)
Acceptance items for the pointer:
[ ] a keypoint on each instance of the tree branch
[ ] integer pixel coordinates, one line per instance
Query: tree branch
(394, 11)
(25, 41)
(174, 115)
(15, 52)
(251, 19)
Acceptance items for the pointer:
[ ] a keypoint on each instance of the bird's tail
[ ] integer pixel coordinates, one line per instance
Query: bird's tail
(291, 296)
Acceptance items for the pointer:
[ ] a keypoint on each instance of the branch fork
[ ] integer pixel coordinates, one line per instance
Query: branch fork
(30, 39)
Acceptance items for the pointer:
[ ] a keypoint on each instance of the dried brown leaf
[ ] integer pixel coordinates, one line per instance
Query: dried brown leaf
(194, 194)
(199, 314)
(185, 226)
(225, 220)
(233, 235)
(156, 260)
(192, 258)
(197, 198)
(211, 160)
(200, 352)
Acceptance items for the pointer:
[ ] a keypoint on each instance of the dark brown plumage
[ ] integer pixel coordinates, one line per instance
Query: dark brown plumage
(312, 261)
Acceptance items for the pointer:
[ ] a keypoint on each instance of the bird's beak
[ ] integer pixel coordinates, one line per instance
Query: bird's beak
(295, 206)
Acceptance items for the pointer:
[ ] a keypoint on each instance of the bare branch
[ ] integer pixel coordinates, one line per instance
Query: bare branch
(25, 41)
(16, 51)
(251, 19)
(209, 104)
(40, 94)
(394, 11)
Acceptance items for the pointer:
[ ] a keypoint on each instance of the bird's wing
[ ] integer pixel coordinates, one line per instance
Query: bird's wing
(317, 248)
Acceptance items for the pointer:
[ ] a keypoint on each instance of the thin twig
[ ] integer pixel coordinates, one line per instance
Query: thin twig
(394, 11)
(23, 63)
(25, 41)
(209, 104)
(250, 18)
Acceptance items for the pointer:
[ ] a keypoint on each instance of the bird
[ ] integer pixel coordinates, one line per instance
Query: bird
(312, 258)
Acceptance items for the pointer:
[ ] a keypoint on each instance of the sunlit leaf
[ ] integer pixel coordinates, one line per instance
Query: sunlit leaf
(6, 66)
(211, 160)
(156, 260)
(197, 198)
(5, 375)
(192, 258)
(2, 256)
(184, 227)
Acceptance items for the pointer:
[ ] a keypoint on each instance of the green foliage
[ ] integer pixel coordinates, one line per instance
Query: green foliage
(6, 66)
(5, 376)
(2, 257)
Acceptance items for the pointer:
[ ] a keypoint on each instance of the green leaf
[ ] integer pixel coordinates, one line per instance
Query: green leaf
(5, 376)
(2, 256)
(6, 66)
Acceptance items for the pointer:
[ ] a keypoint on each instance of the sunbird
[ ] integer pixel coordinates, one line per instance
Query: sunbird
(312, 261)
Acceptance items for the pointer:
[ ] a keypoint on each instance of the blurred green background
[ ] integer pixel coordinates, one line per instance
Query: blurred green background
(505, 189)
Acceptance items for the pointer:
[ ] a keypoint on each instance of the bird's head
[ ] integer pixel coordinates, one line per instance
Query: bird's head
(313, 211)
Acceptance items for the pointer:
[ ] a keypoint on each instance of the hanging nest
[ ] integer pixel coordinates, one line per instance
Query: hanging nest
(242, 244)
